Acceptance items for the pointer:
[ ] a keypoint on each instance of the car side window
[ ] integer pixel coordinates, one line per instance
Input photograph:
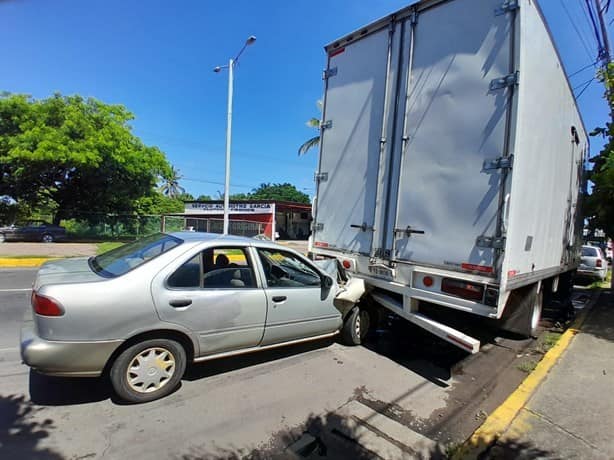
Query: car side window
(283, 269)
(215, 268)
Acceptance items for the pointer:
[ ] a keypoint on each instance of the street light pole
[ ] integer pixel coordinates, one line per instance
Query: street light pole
(231, 64)
(228, 142)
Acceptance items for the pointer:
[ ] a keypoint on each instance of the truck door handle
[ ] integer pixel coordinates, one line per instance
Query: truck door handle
(180, 302)
(363, 227)
(279, 298)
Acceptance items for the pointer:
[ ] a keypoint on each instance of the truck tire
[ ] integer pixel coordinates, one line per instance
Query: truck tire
(355, 326)
(148, 370)
(523, 311)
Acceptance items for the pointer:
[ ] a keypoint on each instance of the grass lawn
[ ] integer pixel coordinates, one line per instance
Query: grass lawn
(107, 246)
(603, 284)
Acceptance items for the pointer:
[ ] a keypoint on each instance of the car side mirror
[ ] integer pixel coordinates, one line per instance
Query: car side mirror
(327, 282)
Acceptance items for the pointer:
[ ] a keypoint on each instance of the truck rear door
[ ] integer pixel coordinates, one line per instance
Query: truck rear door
(449, 193)
(350, 144)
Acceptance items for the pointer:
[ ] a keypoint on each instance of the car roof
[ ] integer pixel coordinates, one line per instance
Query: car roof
(203, 236)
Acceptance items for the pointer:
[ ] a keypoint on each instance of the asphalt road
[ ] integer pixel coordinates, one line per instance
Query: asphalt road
(403, 380)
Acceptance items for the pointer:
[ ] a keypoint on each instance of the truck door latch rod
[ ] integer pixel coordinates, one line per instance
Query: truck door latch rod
(408, 231)
(363, 227)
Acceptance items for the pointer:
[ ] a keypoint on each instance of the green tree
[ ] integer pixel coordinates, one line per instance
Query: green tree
(170, 186)
(314, 141)
(185, 196)
(280, 192)
(156, 204)
(74, 155)
(204, 198)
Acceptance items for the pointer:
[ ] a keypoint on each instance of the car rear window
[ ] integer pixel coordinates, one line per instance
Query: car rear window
(121, 260)
(589, 252)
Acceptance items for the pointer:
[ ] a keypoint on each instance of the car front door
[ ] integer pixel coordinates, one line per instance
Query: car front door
(299, 305)
(216, 295)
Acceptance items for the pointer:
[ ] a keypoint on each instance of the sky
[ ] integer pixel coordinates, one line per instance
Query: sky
(156, 58)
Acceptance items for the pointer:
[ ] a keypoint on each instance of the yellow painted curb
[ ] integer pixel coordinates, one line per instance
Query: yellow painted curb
(497, 422)
(10, 262)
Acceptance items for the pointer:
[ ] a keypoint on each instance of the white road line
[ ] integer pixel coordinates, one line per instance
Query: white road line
(9, 349)
(16, 290)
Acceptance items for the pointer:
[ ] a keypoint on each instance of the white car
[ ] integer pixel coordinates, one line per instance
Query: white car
(593, 264)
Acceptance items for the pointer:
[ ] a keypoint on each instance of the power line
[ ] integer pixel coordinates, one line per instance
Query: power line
(587, 82)
(592, 64)
(583, 7)
(585, 88)
(595, 29)
(573, 24)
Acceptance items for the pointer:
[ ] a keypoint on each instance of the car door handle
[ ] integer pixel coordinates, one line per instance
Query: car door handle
(279, 298)
(180, 302)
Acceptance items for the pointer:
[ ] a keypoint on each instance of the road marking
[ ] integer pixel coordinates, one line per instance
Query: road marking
(16, 290)
(500, 420)
(9, 349)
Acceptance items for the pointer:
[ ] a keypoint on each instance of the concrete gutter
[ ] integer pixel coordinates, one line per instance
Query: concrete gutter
(13, 262)
(500, 420)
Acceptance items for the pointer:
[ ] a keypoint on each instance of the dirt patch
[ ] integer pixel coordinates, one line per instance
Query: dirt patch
(47, 249)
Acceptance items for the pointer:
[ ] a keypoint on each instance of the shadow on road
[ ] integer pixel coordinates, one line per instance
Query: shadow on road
(61, 391)
(19, 435)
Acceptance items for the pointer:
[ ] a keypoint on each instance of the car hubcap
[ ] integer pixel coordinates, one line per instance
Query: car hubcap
(150, 370)
(357, 326)
(47, 239)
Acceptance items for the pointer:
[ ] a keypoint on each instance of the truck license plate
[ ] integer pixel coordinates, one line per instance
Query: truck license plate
(382, 271)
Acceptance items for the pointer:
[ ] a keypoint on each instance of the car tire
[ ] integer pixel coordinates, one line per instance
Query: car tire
(148, 370)
(47, 238)
(2, 238)
(355, 326)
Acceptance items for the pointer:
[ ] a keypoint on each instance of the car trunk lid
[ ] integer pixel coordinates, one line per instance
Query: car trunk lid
(73, 270)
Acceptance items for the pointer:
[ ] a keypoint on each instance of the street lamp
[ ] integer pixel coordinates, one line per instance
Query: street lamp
(230, 66)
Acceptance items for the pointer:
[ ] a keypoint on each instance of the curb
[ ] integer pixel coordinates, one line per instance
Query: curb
(10, 262)
(501, 418)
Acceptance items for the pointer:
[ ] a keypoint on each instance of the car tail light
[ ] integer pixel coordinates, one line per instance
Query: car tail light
(427, 281)
(470, 291)
(598, 263)
(346, 264)
(46, 306)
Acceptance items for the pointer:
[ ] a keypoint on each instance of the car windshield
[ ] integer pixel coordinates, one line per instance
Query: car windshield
(120, 260)
(587, 251)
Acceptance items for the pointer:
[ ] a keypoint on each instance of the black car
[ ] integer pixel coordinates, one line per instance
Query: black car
(37, 230)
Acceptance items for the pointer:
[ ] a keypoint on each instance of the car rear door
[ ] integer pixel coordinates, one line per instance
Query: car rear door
(299, 305)
(221, 302)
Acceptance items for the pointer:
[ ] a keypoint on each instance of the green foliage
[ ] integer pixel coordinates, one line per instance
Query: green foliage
(280, 192)
(599, 207)
(170, 186)
(314, 141)
(68, 154)
(185, 197)
(155, 204)
(204, 198)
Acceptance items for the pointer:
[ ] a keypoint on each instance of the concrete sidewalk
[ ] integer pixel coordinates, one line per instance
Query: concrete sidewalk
(571, 413)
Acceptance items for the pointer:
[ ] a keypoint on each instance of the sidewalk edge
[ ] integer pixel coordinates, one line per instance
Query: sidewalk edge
(11, 262)
(501, 418)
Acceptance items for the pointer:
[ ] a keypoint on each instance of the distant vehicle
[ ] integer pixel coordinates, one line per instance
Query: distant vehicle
(594, 264)
(36, 230)
(451, 155)
(146, 309)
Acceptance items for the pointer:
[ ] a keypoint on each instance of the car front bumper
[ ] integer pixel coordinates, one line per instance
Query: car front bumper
(64, 358)
(592, 273)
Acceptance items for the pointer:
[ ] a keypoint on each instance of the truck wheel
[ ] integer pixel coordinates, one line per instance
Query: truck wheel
(148, 370)
(536, 312)
(355, 326)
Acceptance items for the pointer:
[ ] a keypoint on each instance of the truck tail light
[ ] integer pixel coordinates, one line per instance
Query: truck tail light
(598, 263)
(46, 306)
(464, 289)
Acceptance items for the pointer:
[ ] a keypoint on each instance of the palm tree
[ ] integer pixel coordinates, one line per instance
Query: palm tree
(171, 187)
(314, 141)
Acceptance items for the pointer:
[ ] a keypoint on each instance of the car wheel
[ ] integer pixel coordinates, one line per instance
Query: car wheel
(47, 238)
(2, 238)
(355, 326)
(148, 370)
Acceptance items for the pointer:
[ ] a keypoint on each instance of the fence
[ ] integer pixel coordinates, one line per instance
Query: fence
(198, 224)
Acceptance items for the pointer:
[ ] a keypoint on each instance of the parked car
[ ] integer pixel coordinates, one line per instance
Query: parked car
(593, 264)
(36, 230)
(143, 311)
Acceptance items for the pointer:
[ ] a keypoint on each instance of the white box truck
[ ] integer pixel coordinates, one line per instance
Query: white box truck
(451, 162)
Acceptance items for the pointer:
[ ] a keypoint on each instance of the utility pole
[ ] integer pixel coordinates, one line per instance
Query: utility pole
(604, 54)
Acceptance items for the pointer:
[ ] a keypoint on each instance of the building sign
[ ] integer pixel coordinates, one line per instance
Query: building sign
(235, 208)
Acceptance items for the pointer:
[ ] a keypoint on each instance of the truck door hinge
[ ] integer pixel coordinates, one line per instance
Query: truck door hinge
(512, 79)
(327, 73)
(498, 163)
(494, 242)
(413, 17)
(317, 227)
(363, 227)
(507, 6)
(326, 124)
(408, 231)
(320, 177)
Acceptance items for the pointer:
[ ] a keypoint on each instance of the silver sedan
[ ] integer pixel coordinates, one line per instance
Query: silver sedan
(140, 313)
